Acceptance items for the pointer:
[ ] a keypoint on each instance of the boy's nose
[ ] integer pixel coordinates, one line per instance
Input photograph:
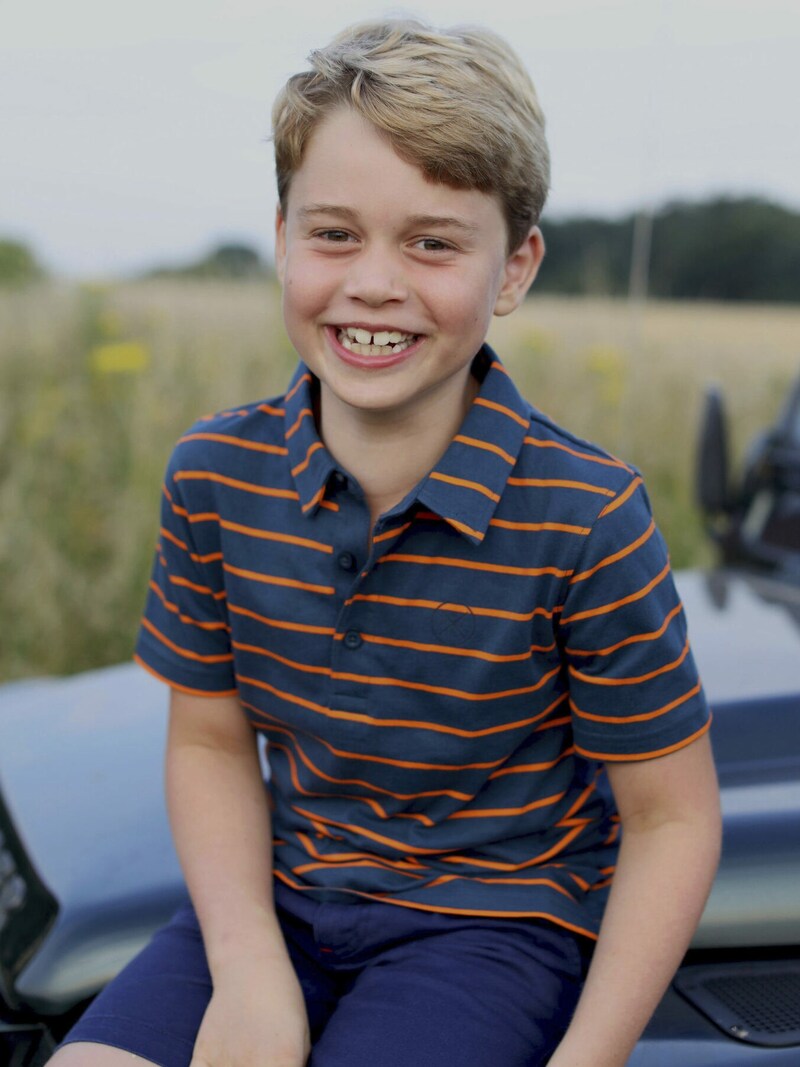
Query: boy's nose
(375, 279)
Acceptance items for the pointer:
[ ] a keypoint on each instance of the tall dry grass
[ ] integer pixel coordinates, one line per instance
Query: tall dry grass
(97, 382)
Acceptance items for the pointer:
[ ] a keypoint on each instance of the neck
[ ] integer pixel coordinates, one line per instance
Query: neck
(390, 452)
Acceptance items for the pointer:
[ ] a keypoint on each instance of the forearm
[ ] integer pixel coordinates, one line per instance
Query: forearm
(671, 830)
(221, 827)
(660, 886)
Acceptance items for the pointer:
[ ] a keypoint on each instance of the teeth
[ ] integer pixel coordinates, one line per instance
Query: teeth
(382, 343)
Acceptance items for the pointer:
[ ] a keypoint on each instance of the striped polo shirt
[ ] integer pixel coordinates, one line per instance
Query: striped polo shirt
(438, 694)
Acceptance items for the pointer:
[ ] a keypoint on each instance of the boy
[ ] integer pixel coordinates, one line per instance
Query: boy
(445, 614)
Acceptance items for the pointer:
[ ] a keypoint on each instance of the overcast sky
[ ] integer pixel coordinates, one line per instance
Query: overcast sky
(135, 133)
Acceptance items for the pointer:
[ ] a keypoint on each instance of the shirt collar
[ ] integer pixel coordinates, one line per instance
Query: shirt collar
(466, 484)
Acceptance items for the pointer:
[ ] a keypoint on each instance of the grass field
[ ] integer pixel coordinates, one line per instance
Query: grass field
(97, 382)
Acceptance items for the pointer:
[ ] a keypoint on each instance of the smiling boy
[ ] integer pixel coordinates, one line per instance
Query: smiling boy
(452, 620)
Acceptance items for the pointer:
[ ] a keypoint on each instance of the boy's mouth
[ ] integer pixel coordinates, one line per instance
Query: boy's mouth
(378, 343)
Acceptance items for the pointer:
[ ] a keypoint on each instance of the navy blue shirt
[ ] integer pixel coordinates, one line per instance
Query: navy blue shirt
(438, 694)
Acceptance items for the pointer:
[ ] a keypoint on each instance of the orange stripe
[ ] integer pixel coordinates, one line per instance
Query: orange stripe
(268, 535)
(186, 653)
(372, 804)
(474, 442)
(471, 565)
(211, 557)
(304, 414)
(312, 767)
(557, 527)
(297, 385)
(616, 556)
(605, 609)
(592, 680)
(537, 442)
(315, 446)
(183, 688)
(634, 639)
(445, 878)
(282, 624)
(553, 723)
(273, 579)
(485, 813)
(268, 409)
(316, 498)
(329, 504)
(185, 618)
(620, 499)
(616, 757)
(463, 528)
(164, 532)
(387, 535)
(402, 846)
(498, 865)
(306, 868)
(468, 653)
(561, 483)
(384, 898)
(481, 402)
(441, 690)
(260, 490)
(645, 716)
(403, 724)
(306, 668)
(227, 439)
(343, 857)
(175, 579)
(493, 613)
(533, 768)
(465, 484)
(361, 757)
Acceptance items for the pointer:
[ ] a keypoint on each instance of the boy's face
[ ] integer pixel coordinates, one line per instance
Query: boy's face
(389, 280)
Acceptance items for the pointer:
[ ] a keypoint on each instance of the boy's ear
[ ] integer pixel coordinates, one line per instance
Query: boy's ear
(521, 268)
(280, 243)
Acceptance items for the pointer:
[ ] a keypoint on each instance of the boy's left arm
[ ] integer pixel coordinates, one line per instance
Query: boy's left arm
(669, 809)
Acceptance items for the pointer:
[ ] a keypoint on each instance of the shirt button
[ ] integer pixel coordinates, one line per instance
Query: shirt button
(347, 561)
(353, 639)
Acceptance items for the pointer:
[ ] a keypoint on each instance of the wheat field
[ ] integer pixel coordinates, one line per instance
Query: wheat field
(97, 382)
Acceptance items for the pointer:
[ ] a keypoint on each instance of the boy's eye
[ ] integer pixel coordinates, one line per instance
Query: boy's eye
(433, 244)
(337, 236)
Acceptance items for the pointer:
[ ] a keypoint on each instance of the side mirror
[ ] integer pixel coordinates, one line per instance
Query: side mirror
(712, 485)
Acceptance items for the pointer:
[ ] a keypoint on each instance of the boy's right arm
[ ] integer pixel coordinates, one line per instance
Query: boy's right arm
(220, 822)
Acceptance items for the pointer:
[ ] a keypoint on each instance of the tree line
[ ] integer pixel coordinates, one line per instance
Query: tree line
(720, 249)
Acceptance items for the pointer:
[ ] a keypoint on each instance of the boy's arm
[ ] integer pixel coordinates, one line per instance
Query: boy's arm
(669, 809)
(220, 822)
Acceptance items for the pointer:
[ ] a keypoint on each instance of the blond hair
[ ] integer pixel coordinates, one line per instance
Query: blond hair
(456, 103)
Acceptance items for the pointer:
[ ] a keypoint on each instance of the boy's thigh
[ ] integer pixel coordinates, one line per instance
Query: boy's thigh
(154, 1007)
(477, 996)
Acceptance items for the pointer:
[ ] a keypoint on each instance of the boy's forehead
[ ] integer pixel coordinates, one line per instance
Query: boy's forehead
(350, 168)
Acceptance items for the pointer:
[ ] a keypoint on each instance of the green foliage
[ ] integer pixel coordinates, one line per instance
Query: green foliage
(228, 260)
(722, 249)
(18, 264)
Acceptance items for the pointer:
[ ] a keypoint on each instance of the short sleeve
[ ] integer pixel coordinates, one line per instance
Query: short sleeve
(184, 636)
(634, 688)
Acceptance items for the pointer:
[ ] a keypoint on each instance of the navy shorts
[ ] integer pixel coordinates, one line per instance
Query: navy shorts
(384, 985)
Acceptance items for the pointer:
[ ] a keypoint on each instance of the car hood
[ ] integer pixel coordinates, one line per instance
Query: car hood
(745, 634)
(81, 777)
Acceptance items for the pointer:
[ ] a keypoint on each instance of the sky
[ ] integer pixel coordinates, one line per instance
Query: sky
(137, 134)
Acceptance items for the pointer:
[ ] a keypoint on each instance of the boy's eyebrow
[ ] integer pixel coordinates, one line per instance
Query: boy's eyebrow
(423, 221)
